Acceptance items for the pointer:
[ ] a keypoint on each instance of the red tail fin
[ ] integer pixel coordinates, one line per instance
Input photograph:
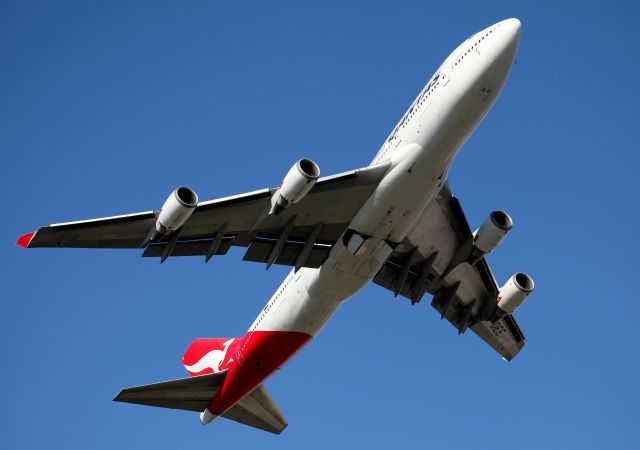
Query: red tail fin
(209, 355)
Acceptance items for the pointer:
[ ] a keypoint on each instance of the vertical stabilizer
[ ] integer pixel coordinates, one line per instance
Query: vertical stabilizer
(211, 355)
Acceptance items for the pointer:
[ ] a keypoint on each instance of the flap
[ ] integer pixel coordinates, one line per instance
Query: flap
(261, 248)
(197, 247)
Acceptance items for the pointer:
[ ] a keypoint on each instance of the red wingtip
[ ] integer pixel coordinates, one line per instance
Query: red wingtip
(23, 241)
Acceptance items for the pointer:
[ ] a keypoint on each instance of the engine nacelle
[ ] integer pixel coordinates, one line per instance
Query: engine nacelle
(176, 210)
(514, 292)
(296, 184)
(492, 231)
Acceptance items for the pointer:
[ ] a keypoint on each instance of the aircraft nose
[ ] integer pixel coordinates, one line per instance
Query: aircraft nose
(508, 37)
(511, 31)
(511, 28)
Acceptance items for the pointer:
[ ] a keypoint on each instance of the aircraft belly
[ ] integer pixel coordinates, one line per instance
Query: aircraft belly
(293, 309)
(307, 299)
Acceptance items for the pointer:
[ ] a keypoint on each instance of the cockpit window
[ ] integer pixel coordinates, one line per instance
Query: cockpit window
(434, 78)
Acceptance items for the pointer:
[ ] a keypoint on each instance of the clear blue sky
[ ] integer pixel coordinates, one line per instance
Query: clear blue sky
(106, 107)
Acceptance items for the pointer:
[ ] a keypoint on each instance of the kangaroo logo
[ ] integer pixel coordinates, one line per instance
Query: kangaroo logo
(211, 360)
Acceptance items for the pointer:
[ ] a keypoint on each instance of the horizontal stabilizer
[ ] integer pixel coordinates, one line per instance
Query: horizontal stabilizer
(191, 394)
(258, 410)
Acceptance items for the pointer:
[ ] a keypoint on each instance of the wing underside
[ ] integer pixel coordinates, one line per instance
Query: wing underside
(301, 236)
(434, 259)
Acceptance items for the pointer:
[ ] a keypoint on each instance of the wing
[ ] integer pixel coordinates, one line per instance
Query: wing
(302, 234)
(434, 259)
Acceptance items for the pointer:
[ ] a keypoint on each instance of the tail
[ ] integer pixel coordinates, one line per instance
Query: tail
(210, 355)
(207, 361)
(256, 410)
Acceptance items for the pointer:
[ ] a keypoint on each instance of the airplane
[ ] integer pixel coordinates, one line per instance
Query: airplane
(394, 222)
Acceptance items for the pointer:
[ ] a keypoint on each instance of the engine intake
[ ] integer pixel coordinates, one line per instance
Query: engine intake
(176, 210)
(514, 292)
(492, 231)
(296, 184)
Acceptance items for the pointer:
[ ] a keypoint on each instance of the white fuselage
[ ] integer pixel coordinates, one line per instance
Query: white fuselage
(420, 149)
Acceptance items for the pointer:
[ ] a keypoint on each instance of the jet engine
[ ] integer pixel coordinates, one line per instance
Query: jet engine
(492, 231)
(296, 184)
(176, 210)
(514, 292)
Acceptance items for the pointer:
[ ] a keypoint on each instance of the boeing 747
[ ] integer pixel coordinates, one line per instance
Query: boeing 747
(394, 223)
